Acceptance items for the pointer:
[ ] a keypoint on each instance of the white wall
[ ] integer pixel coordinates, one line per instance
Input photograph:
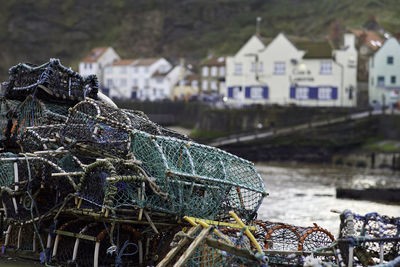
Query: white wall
(280, 87)
(379, 67)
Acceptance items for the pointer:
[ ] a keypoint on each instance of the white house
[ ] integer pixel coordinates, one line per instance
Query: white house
(96, 60)
(285, 72)
(133, 79)
(384, 74)
(213, 75)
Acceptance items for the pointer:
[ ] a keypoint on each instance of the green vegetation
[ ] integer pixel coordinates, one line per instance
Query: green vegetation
(34, 31)
(381, 145)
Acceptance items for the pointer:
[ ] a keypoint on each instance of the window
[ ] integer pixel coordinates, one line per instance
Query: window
(204, 85)
(236, 92)
(134, 81)
(146, 69)
(381, 81)
(146, 82)
(136, 69)
(324, 93)
(123, 69)
(205, 71)
(86, 66)
(253, 67)
(372, 80)
(214, 71)
(393, 79)
(260, 67)
(195, 83)
(214, 86)
(90, 65)
(301, 93)
(123, 82)
(325, 67)
(256, 92)
(109, 70)
(161, 92)
(109, 83)
(221, 71)
(390, 60)
(279, 68)
(159, 80)
(238, 69)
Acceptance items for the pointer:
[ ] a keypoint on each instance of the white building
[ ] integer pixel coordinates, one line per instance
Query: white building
(213, 76)
(384, 74)
(283, 72)
(138, 79)
(96, 60)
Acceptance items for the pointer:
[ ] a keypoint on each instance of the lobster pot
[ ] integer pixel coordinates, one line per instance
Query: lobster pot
(40, 138)
(33, 112)
(6, 108)
(371, 225)
(24, 78)
(139, 121)
(64, 83)
(52, 78)
(200, 181)
(35, 182)
(98, 192)
(63, 246)
(96, 128)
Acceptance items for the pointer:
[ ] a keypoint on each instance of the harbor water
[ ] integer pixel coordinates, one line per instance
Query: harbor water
(302, 195)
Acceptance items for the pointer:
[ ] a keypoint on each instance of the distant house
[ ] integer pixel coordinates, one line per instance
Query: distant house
(367, 43)
(96, 60)
(384, 74)
(213, 76)
(187, 86)
(138, 79)
(300, 72)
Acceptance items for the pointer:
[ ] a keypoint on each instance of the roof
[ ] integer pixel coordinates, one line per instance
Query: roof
(263, 39)
(192, 77)
(146, 61)
(161, 74)
(124, 62)
(95, 54)
(371, 38)
(315, 49)
(215, 61)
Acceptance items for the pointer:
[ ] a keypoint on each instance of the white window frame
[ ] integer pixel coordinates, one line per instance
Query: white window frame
(221, 71)
(214, 71)
(236, 92)
(205, 71)
(194, 83)
(122, 82)
(123, 69)
(204, 85)
(302, 93)
(253, 67)
(256, 92)
(325, 67)
(214, 85)
(325, 93)
(279, 68)
(260, 66)
(109, 83)
(238, 69)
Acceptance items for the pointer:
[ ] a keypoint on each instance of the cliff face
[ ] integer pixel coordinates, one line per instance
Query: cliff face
(33, 31)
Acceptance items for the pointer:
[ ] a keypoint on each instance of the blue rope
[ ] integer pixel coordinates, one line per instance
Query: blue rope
(120, 254)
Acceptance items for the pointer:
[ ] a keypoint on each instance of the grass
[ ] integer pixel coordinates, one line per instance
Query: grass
(381, 145)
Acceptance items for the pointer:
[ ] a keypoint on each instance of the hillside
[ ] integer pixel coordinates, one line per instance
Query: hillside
(35, 30)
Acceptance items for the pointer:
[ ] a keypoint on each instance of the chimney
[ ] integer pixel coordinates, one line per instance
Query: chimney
(349, 40)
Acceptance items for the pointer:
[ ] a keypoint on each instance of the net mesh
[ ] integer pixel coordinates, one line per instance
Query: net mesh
(200, 181)
(372, 235)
